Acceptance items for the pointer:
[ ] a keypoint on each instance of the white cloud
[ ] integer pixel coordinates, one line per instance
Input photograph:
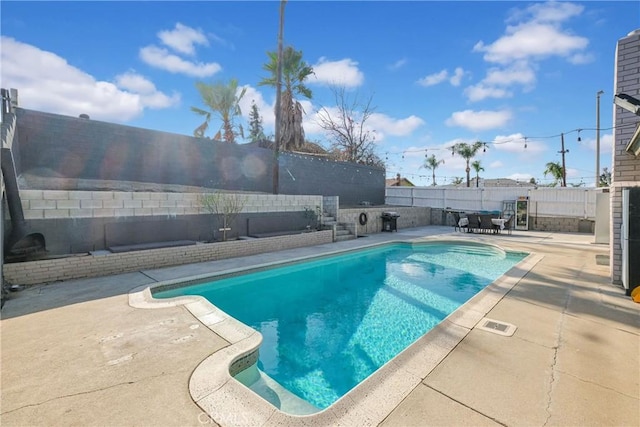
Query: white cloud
(384, 124)
(582, 58)
(149, 95)
(519, 73)
(531, 41)
(163, 59)
(344, 72)
(49, 83)
(552, 11)
(498, 80)
(515, 143)
(436, 78)
(606, 143)
(135, 83)
(480, 92)
(398, 64)
(380, 124)
(496, 164)
(521, 177)
(479, 120)
(183, 38)
(536, 34)
(573, 173)
(433, 79)
(456, 78)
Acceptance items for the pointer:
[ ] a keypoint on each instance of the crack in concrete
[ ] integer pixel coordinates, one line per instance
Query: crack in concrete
(125, 383)
(466, 406)
(582, 380)
(556, 347)
(31, 405)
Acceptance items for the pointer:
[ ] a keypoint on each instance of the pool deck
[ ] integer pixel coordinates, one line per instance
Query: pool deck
(77, 353)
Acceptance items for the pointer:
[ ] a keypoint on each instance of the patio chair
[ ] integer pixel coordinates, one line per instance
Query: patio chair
(486, 224)
(456, 219)
(474, 222)
(508, 225)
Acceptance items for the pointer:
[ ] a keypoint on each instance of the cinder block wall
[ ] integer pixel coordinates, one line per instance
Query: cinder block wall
(409, 217)
(42, 204)
(77, 221)
(36, 272)
(561, 224)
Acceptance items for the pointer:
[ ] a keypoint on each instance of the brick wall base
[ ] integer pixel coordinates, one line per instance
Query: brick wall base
(44, 271)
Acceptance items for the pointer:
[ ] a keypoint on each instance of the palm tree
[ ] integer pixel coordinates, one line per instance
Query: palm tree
(294, 72)
(223, 100)
(432, 164)
(554, 169)
(467, 152)
(477, 167)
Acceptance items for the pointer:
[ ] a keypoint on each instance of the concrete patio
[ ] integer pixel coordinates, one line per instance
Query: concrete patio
(76, 352)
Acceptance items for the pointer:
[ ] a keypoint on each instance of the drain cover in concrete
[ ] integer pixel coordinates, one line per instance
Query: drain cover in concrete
(496, 327)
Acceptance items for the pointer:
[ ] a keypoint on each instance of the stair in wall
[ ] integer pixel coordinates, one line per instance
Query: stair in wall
(342, 233)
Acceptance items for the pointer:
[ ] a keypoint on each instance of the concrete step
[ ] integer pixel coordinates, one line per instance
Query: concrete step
(342, 238)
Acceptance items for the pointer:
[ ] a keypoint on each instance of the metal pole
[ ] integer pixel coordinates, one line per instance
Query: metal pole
(564, 168)
(600, 92)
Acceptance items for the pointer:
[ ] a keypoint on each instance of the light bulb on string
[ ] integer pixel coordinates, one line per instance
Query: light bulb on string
(579, 138)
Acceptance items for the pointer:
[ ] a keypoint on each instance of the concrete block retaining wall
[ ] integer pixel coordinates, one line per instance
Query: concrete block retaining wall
(45, 204)
(36, 272)
(565, 225)
(409, 217)
(79, 221)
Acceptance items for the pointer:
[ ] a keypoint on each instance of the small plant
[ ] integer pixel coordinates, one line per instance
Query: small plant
(312, 216)
(225, 206)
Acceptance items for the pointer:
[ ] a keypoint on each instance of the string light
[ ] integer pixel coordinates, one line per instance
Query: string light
(525, 138)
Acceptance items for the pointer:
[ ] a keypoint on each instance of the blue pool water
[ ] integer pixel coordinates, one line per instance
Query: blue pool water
(329, 323)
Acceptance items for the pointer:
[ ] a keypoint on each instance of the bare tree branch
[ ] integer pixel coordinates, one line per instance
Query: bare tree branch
(346, 125)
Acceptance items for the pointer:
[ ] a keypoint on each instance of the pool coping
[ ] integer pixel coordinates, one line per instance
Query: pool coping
(228, 402)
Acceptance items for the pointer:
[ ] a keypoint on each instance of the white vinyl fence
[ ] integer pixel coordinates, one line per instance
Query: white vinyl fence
(543, 202)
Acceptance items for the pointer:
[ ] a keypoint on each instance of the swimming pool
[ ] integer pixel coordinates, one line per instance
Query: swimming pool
(328, 324)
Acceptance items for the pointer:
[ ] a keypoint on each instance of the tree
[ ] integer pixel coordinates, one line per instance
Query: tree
(554, 169)
(222, 99)
(605, 178)
(477, 167)
(432, 164)
(225, 206)
(346, 126)
(467, 152)
(256, 131)
(294, 72)
(456, 180)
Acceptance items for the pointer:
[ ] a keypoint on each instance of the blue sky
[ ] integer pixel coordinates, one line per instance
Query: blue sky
(505, 73)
